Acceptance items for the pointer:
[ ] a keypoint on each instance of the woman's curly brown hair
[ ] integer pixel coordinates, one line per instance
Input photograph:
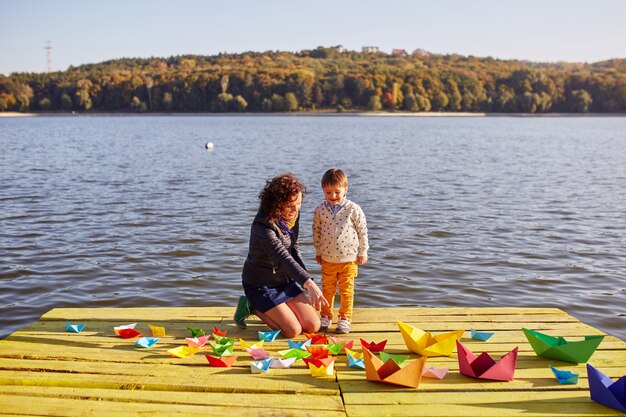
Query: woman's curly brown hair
(278, 191)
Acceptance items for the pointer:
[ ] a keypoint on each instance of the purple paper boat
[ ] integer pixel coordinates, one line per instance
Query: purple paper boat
(606, 391)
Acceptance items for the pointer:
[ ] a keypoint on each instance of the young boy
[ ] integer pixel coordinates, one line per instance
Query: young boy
(340, 239)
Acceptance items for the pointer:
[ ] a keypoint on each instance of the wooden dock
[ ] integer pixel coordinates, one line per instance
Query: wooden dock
(46, 371)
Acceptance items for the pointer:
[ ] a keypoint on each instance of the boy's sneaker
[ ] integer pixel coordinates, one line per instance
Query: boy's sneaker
(343, 326)
(325, 323)
(243, 311)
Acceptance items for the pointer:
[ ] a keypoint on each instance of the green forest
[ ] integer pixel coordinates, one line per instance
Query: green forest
(321, 79)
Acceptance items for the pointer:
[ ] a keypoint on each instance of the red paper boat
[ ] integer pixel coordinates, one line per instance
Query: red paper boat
(484, 367)
(318, 362)
(219, 332)
(221, 362)
(317, 339)
(128, 333)
(374, 347)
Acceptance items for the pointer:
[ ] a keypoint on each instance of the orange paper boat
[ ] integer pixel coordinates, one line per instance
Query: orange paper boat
(317, 339)
(391, 373)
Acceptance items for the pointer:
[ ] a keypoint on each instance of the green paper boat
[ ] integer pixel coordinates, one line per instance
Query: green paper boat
(560, 349)
(399, 359)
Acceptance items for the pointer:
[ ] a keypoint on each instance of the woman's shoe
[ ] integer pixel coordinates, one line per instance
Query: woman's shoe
(243, 311)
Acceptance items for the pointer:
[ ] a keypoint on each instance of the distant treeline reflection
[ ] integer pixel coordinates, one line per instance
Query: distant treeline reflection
(321, 80)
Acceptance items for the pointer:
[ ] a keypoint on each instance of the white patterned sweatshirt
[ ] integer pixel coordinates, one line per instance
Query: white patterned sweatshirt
(340, 237)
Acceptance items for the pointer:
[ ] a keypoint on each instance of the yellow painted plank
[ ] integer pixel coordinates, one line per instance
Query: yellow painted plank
(23, 405)
(233, 381)
(525, 409)
(276, 401)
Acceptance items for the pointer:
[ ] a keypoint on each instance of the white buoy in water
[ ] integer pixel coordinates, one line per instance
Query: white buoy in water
(209, 146)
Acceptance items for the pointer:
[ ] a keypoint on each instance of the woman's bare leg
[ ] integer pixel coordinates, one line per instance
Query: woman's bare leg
(292, 317)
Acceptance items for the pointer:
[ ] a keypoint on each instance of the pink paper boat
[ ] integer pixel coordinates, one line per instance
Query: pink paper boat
(434, 373)
(484, 367)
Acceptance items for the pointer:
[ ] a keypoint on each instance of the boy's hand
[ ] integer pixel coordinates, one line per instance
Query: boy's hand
(318, 259)
(360, 260)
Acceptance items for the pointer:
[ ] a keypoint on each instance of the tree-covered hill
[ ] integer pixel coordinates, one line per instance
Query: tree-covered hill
(320, 80)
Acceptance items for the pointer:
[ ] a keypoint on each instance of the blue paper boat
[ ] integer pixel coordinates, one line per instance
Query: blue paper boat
(564, 377)
(605, 391)
(298, 345)
(146, 342)
(74, 328)
(355, 363)
(483, 336)
(268, 336)
(261, 366)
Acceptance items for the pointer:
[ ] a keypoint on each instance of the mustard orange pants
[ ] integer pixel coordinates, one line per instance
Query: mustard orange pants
(339, 276)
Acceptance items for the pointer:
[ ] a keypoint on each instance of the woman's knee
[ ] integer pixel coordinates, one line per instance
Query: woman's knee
(291, 330)
(311, 324)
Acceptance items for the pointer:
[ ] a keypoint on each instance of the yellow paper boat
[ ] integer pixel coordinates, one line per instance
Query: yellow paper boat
(322, 367)
(427, 344)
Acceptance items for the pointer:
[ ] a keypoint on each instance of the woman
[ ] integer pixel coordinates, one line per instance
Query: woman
(274, 273)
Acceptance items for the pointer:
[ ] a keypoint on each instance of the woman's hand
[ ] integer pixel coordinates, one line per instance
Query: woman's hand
(316, 298)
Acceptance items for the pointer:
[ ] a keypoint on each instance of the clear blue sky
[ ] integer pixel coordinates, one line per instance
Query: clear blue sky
(91, 31)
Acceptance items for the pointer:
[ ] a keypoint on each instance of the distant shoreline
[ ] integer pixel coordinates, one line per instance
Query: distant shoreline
(316, 114)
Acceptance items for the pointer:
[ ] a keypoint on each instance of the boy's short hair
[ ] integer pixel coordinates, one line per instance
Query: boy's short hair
(336, 177)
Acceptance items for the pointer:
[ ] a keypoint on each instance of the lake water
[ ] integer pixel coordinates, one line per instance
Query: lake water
(478, 212)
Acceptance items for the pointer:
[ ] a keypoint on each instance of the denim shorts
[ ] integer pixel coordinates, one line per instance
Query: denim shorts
(264, 298)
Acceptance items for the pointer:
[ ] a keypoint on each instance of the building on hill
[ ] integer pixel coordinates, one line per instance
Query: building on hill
(370, 49)
(399, 52)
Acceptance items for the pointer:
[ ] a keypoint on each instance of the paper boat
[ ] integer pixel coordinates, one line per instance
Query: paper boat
(183, 351)
(318, 352)
(484, 367)
(298, 345)
(355, 359)
(434, 373)
(482, 336)
(605, 391)
(321, 367)
(283, 363)
(258, 353)
(197, 342)
(399, 359)
(195, 332)
(146, 342)
(117, 329)
(128, 333)
(391, 373)
(253, 345)
(157, 331)
(268, 336)
(317, 339)
(294, 353)
(261, 366)
(373, 346)
(219, 332)
(560, 349)
(221, 362)
(427, 344)
(222, 350)
(74, 328)
(348, 343)
(564, 377)
(335, 348)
